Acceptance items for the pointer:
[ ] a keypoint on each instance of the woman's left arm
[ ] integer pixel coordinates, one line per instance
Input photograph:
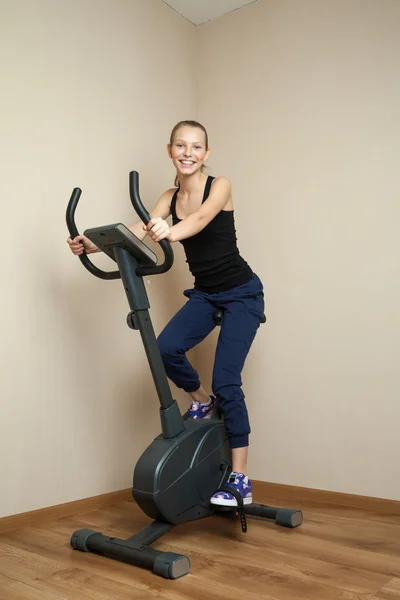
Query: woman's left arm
(218, 198)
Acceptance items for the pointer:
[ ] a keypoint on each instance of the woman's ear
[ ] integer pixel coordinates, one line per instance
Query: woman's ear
(169, 150)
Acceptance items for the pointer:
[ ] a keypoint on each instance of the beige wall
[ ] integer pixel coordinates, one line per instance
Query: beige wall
(302, 99)
(90, 91)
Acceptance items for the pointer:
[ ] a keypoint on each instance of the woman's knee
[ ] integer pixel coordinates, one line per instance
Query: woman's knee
(228, 393)
(168, 347)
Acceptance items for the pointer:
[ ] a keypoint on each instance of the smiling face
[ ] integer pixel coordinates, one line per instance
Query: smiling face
(188, 150)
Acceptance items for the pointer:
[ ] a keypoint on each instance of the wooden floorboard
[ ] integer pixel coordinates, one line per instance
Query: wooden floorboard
(391, 590)
(61, 510)
(338, 553)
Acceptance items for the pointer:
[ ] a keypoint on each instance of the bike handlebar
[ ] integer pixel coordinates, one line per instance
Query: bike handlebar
(73, 230)
(145, 217)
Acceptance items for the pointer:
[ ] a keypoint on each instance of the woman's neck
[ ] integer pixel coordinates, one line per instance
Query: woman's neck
(191, 184)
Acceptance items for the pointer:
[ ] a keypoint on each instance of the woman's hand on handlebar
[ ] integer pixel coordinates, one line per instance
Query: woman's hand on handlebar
(158, 229)
(80, 244)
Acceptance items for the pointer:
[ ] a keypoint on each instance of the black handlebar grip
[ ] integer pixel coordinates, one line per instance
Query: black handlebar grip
(145, 217)
(73, 231)
(135, 197)
(72, 204)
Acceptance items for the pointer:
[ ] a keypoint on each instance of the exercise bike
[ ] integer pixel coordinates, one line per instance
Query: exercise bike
(190, 460)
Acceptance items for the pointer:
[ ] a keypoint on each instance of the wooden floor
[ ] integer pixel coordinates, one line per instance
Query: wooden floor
(338, 553)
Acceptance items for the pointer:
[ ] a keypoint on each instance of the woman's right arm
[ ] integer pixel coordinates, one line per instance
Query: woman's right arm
(162, 209)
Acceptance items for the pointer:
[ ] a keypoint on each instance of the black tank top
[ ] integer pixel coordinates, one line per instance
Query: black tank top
(212, 254)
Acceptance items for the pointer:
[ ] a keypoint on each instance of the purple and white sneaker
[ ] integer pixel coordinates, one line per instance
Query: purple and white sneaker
(201, 411)
(241, 484)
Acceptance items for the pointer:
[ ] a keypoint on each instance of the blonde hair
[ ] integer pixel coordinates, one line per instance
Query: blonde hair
(187, 123)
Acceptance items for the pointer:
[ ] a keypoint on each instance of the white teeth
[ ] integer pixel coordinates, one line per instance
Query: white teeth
(186, 162)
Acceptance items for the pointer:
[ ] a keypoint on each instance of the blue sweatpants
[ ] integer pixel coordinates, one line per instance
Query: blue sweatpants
(243, 307)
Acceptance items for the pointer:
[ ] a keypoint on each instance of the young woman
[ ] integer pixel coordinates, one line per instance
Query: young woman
(203, 221)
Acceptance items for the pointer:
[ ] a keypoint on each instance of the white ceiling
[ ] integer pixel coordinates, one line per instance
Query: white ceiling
(200, 11)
